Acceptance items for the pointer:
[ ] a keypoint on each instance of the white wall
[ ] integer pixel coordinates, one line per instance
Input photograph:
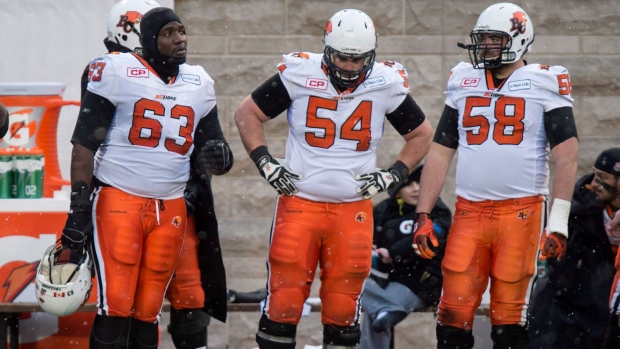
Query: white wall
(52, 41)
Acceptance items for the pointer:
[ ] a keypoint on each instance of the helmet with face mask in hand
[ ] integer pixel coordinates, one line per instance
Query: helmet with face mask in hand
(62, 287)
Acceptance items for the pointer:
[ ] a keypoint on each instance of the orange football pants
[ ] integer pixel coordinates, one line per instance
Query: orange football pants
(185, 290)
(305, 233)
(497, 240)
(137, 242)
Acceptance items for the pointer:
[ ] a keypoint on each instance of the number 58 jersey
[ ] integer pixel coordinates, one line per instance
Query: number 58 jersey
(503, 146)
(150, 139)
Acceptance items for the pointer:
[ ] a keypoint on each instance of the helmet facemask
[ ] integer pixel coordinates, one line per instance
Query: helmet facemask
(343, 78)
(485, 55)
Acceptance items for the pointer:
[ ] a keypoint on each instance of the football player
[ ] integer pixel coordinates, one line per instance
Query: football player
(503, 115)
(144, 118)
(336, 105)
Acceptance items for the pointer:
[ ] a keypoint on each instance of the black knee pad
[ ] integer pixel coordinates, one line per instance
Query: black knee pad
(450, 337)
(341, 336)
(143, 335)
(275, 335)
(188, 328)
(509, 337)
(109, 332)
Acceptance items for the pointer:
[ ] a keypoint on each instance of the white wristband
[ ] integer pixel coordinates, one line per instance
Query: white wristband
(558, 219)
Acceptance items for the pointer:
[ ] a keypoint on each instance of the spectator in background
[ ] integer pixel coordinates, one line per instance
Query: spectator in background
(400, 281)
(572, 310)
(4, 120)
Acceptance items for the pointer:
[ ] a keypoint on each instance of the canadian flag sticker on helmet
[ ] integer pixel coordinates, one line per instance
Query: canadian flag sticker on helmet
(62, 288)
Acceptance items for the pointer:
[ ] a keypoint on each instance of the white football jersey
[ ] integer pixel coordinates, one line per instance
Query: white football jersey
(147, 148)
(333, 137)
(503, 147)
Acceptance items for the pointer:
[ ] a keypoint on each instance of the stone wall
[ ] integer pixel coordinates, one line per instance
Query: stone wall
(240, 42)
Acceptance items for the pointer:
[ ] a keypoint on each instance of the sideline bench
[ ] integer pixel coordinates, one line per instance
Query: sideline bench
(9, 316)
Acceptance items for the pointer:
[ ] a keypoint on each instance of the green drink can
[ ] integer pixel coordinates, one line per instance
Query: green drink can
(6, 174)
(29, 174)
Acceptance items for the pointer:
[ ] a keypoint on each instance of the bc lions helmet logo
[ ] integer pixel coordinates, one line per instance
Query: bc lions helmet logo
(328, 28)
(518, 22)
(176, 221)
(128, 20)
(360, 217)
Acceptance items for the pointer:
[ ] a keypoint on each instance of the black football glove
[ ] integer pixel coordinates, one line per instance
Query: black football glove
(381, 180)
(275, 171)
(191, 196)
(78, 227)
(216, 157)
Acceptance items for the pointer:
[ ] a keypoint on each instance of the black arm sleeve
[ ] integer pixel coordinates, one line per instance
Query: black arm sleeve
(447, 132)
(272, 97)
(84, 81)
(560, 125)
(92, 125)
(407, 117)
(208, 128)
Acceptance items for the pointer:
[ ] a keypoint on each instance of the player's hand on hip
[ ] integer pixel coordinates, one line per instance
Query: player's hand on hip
(279, 176)
(215, 156)
(554, 246)
(378, 181)
(423, 233)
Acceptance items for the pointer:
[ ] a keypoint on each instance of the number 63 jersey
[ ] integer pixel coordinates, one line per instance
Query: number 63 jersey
(503, 146)
(150, 139)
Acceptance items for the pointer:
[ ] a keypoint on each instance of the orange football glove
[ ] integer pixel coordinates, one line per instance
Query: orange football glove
(554, 246)
(423, 231)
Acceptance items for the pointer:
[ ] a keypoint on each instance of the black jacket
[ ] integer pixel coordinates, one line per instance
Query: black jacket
(573, 305)
(210, 262)
(393, 231)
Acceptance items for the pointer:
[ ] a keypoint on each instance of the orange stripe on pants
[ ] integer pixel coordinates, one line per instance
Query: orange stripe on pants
(339, 236)
(136, 255)
(497, 240)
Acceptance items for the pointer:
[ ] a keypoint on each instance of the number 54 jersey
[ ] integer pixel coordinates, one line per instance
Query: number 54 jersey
(147, 147)
(503, 146)
(334, 136)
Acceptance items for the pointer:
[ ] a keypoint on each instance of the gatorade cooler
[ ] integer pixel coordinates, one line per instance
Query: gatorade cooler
(34, 109)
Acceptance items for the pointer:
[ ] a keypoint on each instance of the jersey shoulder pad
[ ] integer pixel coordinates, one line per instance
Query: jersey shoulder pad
(554, 78)
(462, 71)
(300, 64)
(388, 73)
(104, 72)
(194, 74)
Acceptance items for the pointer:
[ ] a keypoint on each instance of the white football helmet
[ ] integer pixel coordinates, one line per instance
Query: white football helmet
(124, 21)
(505, 20)
(61, 289)
(349, 34)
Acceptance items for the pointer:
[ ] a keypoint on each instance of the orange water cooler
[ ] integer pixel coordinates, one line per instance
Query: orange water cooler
(29, 226)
